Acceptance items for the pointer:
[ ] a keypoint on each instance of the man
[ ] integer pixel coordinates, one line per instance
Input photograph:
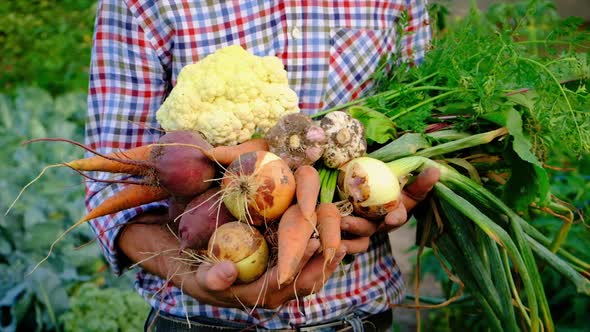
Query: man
(329, 49)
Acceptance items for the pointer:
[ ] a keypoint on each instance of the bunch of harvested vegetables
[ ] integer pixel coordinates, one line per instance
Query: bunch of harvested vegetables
(483, 109)
(263, 180)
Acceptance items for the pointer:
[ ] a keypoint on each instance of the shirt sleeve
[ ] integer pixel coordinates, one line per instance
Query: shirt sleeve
(127, 85)
(417, 34)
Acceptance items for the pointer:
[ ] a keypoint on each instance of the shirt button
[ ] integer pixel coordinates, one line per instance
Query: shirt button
(296, 33)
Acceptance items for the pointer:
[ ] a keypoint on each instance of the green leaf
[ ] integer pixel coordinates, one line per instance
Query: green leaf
(5, 113)
(527, 181)
(521, 145)
(378, 127)
(11, 296)
(49, 290)
(523, 99)
(513, 122)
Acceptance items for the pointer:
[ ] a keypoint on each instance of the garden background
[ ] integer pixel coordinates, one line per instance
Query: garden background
(44, 56)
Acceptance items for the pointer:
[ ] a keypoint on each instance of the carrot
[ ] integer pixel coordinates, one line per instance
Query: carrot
(99, 163)
(293, 234)
(307, 181)
(132, 195)
(329, 219)
(226, 154)
(131, 161)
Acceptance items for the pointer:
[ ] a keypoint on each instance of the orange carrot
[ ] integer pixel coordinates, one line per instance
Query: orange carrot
(293, 234)
(131, 161)
(329, 219)
(226, 154)
(307, 180)
(100, 163)
(131, 196)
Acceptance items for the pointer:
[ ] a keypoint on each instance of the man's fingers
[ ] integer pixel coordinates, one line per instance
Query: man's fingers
(217, 277)
(397, 217)
(358, 245)
(417, 190)
(358, 226)
(312, 246)
(317, 271)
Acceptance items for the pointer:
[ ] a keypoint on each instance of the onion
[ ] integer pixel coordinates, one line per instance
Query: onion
(258, 187)
(243, 245)
(371, 187)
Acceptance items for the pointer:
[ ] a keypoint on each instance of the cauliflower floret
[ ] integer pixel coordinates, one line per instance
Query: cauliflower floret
(228, 96)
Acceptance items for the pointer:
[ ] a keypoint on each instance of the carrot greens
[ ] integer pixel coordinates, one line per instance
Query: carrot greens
(496, 94)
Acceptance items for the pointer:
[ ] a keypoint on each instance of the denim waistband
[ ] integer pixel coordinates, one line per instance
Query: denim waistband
(164, 322)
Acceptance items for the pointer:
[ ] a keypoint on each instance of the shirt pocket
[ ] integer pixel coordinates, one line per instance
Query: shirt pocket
(354, 57)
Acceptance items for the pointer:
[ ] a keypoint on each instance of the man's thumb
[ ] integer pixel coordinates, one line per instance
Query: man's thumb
(219, 276)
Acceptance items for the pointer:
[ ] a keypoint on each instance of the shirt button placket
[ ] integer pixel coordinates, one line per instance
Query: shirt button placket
(296, 32)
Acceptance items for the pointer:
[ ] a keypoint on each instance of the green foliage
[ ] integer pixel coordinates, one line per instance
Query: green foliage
(572, 185)
(489, 64)
(93, 309)
(46, 43)
(35, 301)
(523, 67)
(379, 128)
(526, 71)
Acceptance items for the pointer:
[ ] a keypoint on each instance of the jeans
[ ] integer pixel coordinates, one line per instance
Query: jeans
(163, 322)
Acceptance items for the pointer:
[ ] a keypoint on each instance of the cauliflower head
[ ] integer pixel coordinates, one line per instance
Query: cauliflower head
(229, 96)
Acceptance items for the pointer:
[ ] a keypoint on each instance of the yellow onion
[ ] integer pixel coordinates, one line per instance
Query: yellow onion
(243, 245)
(258, 187)
(371, 187)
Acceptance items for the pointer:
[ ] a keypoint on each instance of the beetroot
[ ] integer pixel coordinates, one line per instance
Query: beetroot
(182, 170)
(176, 206)
(207, 212)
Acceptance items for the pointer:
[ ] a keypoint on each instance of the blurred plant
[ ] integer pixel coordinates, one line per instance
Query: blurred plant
(46, 43)
(91, 310)
(35, 302)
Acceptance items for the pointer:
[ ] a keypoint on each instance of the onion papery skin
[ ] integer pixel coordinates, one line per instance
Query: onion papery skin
(258, 187)
(243, 245)
(370, 186)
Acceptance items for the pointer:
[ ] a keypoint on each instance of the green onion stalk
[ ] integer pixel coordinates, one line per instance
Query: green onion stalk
(478, 194)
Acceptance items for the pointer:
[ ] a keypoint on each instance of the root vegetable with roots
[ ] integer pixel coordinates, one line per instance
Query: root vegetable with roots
(307, 190)
(137, 161)
(294, 233)
(370, 186)
(181, 170)
(243, 245)
(258, 187)
(201, 217)
(297, 140)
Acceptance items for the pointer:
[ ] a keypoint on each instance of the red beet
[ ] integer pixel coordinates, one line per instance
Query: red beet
(182, 170)
(207, 212)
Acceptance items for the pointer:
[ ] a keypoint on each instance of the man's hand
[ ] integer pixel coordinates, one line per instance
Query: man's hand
(214, 283)
(412, 194)
(157, 249)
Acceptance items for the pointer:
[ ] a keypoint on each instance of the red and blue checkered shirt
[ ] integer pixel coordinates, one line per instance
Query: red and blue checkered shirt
(329, 49)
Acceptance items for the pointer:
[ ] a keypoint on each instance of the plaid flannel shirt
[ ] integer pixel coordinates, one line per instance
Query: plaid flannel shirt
(329, 49)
